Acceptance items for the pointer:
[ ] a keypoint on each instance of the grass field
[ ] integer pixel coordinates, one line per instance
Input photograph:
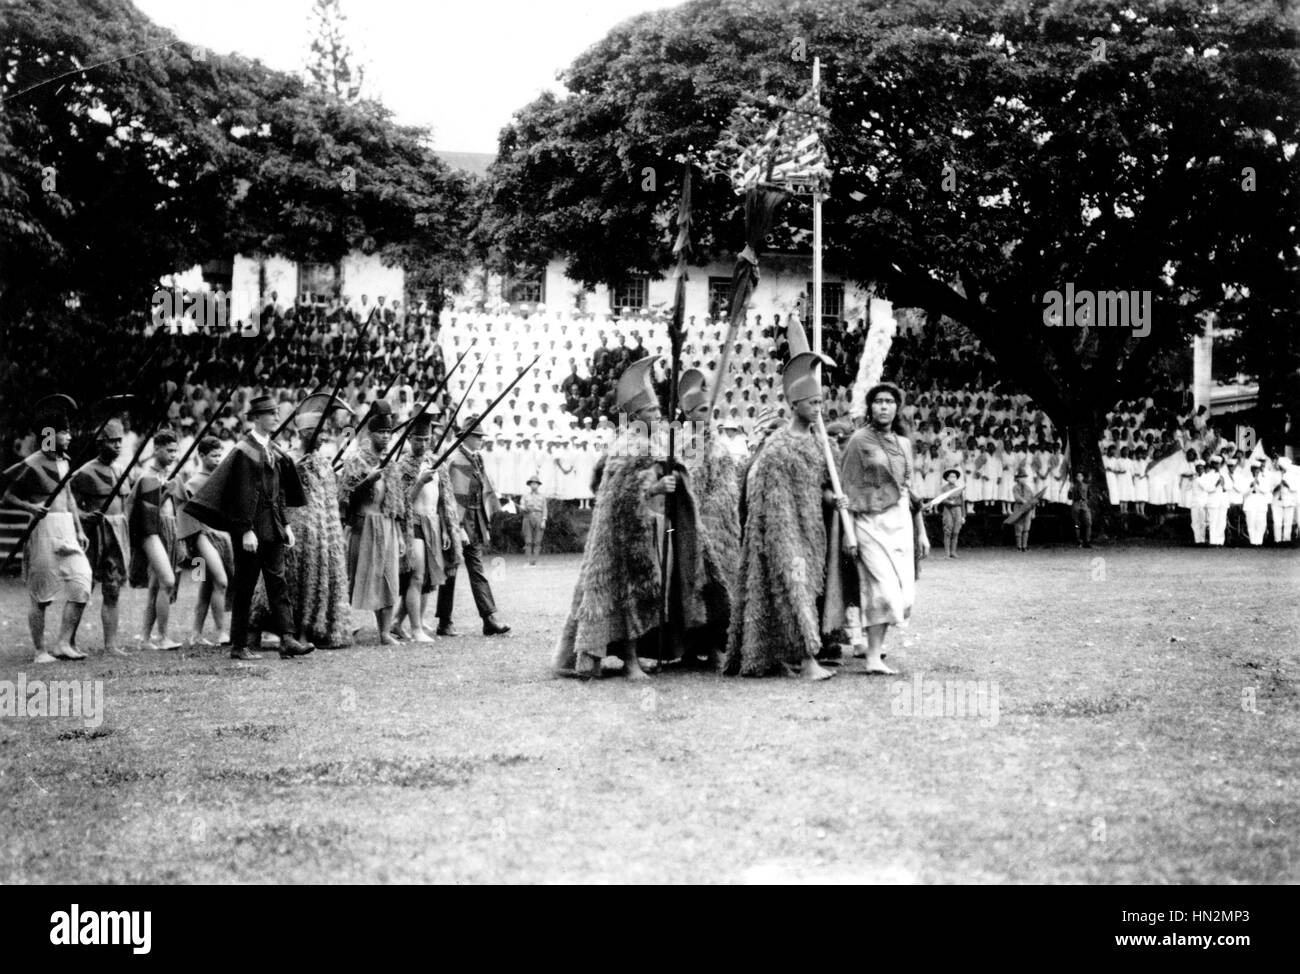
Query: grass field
(1126, 748)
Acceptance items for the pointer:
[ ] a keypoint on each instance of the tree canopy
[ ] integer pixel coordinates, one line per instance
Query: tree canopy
(127, 154)
(984, 155)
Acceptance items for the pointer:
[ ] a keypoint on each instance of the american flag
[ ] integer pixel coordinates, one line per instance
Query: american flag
(793, 149)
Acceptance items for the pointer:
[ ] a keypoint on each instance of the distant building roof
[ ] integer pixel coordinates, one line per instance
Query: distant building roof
(474, 163)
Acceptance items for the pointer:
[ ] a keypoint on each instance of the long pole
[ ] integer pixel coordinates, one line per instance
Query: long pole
(424, 406)
(817, 229)
(486, 413)
(675, 337)
(348, 362)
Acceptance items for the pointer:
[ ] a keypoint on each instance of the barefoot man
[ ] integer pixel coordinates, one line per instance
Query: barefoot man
(433, 527)
(54, 558)
(375, 513)
(775, 625)
(616, 602)
(110, 544)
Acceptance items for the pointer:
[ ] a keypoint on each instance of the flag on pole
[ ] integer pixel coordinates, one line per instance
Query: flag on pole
(791, 154)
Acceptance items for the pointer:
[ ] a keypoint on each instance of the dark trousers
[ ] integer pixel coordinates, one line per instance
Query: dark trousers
(268, 561)
(1082, 524)
(478, 584)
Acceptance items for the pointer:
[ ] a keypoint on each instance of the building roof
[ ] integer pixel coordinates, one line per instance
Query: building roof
(474, 163)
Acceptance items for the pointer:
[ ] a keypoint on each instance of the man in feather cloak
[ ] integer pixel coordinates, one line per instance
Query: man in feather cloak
(714, 478)
(616, 602)
(785, 553)
(316, 567)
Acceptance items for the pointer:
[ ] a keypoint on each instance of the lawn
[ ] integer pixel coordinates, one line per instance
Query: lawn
(1126, 748)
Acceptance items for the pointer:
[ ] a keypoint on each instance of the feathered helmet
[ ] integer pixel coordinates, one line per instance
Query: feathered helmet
(635, 391)
(692, 390)
(309, 412)
(802, 375)
(55, 411)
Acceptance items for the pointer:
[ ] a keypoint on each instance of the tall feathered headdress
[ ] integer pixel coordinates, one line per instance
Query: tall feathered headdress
(880, 335)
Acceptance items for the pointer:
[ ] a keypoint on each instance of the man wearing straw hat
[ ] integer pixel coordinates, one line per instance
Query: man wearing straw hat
(247, 496)
(54, 557)
(533, 507)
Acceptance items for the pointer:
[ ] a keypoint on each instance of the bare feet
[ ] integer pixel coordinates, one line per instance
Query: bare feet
(44, 657)
(116, 651)
(815, 671)
(66, 651)
(421, 637)
(386, 639)
(877, 665)
(632, 669)
(167, 644)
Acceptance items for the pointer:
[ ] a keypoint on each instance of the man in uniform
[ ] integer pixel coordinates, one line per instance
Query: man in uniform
(478, 502)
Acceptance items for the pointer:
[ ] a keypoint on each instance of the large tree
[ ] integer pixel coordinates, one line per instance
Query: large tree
(985, 155)
(127, 154)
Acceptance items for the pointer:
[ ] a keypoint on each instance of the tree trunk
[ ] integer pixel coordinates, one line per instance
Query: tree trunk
(1084, 425)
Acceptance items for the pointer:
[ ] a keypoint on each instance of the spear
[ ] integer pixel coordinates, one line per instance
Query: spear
(424, 406)
(451, 420)
(676, 334)
(485, 414)
(82, 457)
(338, 385)
(374, 403)
(338, 457)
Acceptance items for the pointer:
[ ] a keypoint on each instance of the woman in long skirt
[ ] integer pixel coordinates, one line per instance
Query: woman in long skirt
(874, 473)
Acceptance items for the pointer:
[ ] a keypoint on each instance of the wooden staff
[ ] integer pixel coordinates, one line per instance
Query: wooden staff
(424, 406)
(485, 414)
(676, 333)
(451, 420)
(849, 540)
(338, 385)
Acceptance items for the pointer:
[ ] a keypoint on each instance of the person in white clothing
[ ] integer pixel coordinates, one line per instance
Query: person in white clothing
(1255, 503)
(1283, 506)
(1196, 499)
(1215, 484)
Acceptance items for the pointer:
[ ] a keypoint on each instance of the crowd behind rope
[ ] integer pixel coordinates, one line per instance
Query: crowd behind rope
(555, 424)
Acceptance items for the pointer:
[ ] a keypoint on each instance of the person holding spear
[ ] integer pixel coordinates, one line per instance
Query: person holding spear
(374, 511)
(156, 552)
(103, 518)
(54, 553)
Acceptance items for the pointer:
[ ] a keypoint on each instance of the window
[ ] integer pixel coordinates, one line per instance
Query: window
(632, 293)
(719, 296)
(317, 283)
(528, 287)
(832, 304)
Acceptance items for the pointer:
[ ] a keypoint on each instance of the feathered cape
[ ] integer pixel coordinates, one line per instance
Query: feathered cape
(783, 558)
(617, 594)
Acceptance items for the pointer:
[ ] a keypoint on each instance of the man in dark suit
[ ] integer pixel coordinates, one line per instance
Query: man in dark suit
(246, 496)
(478, 501)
